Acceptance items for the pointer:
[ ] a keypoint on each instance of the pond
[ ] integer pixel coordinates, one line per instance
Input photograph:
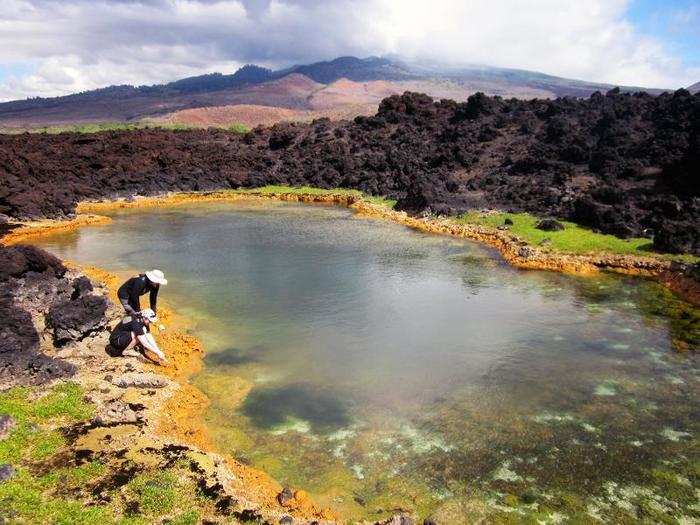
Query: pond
(380, 369)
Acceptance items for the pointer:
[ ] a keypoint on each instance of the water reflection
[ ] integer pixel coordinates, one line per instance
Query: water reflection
(381, 368)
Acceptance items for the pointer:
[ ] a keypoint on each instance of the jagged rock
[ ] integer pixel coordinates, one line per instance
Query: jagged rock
(81, 286)
(677, 237)
(16, 261)
(17, 331)
(285, 497)
(6, 472)
(7, 423)
(75, 319)
(140, 380)
(549, 225)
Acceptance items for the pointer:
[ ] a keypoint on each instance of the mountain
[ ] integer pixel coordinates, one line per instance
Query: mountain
(360, 70)
(695, 88)
(336, 86)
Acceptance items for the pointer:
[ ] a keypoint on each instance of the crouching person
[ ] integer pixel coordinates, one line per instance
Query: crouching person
(136, 331)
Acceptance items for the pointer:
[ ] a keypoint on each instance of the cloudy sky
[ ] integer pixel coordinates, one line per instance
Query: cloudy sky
(54, 47)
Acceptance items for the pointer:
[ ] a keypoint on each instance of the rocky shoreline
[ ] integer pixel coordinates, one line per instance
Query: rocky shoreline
(149, 416)
(145, 416)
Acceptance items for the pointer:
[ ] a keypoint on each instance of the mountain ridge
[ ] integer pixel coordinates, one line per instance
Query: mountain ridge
(127, 103)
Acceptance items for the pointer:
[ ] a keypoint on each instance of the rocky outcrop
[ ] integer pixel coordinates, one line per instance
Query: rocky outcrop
(620, 163)
(75, 319)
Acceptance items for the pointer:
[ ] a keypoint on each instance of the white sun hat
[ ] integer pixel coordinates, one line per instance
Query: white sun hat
(156, 276)
(149, 314)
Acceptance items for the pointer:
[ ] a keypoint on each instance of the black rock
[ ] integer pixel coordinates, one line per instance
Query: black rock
(677, 237)
(286, 520)
(17, 331)
(75, 319)
(549, 225)
(15, 261)
(81, 286)
(508, 221)
(285, 496)
(6, 472)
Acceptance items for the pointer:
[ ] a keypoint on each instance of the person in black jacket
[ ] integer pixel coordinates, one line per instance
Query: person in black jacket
(131, 291)
(136, 330)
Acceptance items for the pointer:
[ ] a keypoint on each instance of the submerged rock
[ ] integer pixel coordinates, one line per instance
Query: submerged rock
(399, 519)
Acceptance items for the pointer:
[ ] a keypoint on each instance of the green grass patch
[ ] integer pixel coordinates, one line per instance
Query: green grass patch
(311, 190)
(33, 495)
(572, 239)
(35, 436)
(154, 492)
(22, 501)
(27, 498)
(159, 493)
(97, 127)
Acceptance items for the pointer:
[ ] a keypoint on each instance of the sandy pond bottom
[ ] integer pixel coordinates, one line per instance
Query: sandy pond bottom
(383, 369)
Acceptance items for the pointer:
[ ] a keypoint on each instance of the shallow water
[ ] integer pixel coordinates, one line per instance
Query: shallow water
(381, 369)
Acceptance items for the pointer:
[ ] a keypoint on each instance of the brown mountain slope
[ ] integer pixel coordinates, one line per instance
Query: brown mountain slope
(291, 91)
(252, 115)
(342, 99)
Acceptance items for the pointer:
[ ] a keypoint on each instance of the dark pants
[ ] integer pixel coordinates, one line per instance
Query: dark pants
(134, 304)
(120, 339)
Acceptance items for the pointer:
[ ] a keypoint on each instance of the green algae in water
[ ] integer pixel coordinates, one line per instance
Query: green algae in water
(391, 369)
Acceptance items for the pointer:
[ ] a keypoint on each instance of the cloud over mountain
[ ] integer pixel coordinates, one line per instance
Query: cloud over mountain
(70, 45)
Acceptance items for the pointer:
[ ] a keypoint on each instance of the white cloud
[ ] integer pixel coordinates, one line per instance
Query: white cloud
(84, 44)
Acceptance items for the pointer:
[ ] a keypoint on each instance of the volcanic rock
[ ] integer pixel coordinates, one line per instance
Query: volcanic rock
(75, 319)
(6, 472)
(605, 162)
(549, 225)
(16, 261)
(285, 497)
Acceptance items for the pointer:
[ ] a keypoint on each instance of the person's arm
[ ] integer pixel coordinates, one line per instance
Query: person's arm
(149, 343)
(154, 298)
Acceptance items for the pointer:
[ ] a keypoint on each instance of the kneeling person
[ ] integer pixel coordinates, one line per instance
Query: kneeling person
(136, 330)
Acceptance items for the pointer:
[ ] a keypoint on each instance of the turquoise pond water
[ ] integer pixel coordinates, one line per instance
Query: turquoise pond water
(380, 368)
